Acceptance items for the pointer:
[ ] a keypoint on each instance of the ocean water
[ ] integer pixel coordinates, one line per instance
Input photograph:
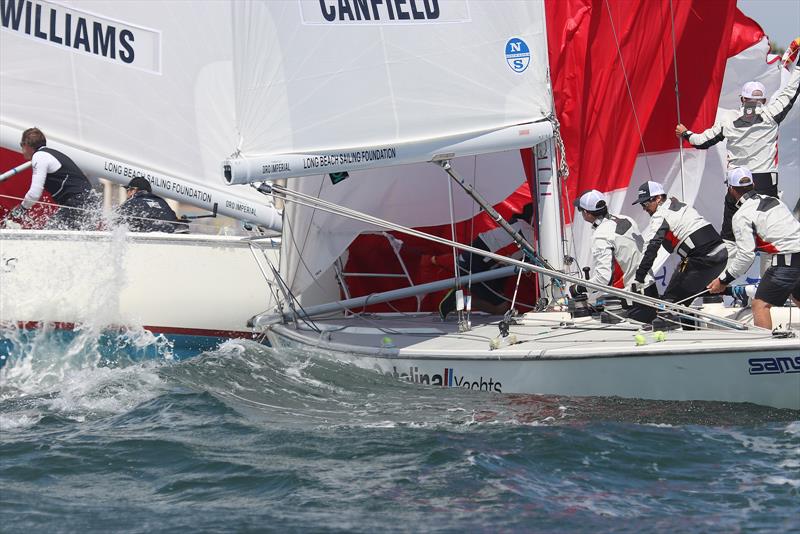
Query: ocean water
(247, 438)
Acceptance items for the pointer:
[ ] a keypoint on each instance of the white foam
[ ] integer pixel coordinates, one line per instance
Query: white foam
(74, 378)
(781, 481)
(18, 421)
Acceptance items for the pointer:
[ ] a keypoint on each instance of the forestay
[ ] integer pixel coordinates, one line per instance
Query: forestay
(129, 88)
(329, 86)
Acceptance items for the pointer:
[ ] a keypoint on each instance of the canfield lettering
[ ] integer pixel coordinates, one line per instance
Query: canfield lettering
(379, 10)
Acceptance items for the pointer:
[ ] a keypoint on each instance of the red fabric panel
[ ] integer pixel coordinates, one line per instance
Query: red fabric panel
(745, 33)
(618, 276)
(373, 254)
(598, 124)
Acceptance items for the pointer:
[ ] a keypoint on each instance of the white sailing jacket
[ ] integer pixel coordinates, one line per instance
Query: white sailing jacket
(677, 226)
(761, 223)
(752, 144)
(616, 251)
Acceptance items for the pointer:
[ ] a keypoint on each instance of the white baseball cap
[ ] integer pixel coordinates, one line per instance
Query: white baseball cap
(591, 200)
(647, 191)
(754, 90)
(739, 177)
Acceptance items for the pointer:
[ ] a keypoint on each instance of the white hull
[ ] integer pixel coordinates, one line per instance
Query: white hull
(585, 359)
(188, 284)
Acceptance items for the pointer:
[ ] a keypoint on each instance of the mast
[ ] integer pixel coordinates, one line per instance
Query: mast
(550, 236)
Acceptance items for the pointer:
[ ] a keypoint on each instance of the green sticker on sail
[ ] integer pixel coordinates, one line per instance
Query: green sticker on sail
(337, 177)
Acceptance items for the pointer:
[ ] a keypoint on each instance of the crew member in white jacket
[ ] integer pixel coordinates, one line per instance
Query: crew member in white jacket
(763, 223)
(751, 133)
(616, 252)
(678, 227)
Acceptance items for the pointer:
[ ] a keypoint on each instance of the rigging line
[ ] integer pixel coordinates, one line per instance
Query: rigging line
(269, 283)
(659, 304)
(501, 295)
(453, 232)
(628, 87)
(472, 219)
(314, 279)
(292, 300)
(101, 215)
(677, 95)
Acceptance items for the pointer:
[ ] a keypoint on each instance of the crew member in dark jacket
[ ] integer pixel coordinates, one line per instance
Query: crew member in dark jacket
(57, 174)
(144, 211)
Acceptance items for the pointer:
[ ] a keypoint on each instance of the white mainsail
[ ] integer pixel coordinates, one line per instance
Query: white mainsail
(129, 87)
(371, 88)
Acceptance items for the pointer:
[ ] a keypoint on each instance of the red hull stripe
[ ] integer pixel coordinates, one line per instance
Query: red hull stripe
(200, 332)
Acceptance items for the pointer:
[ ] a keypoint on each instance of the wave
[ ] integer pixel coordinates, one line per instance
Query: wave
(99, 374)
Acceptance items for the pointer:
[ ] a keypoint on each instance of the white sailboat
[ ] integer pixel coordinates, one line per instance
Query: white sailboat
(131, 89)
(342, 87)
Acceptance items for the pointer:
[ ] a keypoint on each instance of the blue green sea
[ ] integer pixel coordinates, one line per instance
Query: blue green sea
(244, 438)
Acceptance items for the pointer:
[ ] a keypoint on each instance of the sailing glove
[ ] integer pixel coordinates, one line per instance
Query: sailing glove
(790, 55)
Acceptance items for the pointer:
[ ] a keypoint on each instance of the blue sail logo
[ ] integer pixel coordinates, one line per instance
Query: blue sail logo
(518, 55)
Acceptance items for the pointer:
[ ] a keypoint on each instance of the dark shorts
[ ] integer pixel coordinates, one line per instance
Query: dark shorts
(778, 283)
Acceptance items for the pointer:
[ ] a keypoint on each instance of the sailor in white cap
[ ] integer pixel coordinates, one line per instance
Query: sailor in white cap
(751, 133)
(678, 227)
(616, 252)
(762, 223)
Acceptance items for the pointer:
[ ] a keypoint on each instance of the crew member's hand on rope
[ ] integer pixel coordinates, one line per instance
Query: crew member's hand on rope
(716, 286)
(790, 56)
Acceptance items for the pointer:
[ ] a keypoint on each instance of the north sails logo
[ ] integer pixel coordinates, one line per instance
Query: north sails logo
(448, 378)
(518, 55)
(773, 366)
